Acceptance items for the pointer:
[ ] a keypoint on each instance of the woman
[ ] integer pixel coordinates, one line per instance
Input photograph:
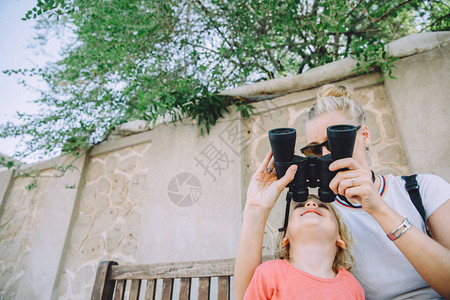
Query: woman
(408, 264)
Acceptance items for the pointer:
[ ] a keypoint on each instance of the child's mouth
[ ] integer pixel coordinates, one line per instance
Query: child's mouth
(311, 211)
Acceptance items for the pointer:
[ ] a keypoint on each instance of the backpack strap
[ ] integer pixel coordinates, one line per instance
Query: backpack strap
(412, 187)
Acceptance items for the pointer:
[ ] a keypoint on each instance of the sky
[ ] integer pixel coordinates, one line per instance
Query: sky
(16, 36)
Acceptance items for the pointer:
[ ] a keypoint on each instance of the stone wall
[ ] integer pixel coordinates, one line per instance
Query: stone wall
(168, 194)
(106, 225)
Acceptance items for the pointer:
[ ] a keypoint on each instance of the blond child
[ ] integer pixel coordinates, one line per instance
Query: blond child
(314, 258)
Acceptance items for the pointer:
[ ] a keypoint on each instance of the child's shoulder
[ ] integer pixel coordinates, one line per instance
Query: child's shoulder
(276, 268)
(347, 277)
(345, 273)
(274, 263)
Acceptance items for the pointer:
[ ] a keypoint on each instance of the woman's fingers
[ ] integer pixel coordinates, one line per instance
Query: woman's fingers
(355, 192)
(345, 163)
(352, 177)
(344, 185)
(284, 181)
(265, 162)
(271, 165)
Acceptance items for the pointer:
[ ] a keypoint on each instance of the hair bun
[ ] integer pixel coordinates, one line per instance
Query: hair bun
(332, 90)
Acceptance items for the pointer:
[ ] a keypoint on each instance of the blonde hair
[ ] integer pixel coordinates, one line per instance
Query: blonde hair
(332, 98)
(344, 257)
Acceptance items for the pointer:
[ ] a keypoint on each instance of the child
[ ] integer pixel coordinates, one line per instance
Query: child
(313, 258)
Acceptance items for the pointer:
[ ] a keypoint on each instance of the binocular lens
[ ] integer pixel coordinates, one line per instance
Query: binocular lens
(341, 139)
(282, 141)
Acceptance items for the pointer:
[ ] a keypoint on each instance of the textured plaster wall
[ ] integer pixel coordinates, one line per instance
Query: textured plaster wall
(422, 104)
(22, 211)
(193, 196)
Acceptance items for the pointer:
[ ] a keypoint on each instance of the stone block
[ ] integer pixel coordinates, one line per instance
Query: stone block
(104, 220)
(389, 126)
(80, 231)
(87, 199)
(82, 277)
(379, 98)
(129, 164)
(64, 284)
(128, 247)
(364, 96)
(119, 189)
(124, 209)
(92, 248)
(137, 186)
(102, 202)
(95, 170)
(393, 154)
(102, 186)
(72, 262)
(113, 238)
(132, 225)
(111, 162)
(371, 121)
(7, 275)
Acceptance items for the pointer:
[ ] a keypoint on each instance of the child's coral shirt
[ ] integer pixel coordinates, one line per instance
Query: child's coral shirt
(278, 279)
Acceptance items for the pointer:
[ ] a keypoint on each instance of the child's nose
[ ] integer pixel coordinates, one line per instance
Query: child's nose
(311, 203)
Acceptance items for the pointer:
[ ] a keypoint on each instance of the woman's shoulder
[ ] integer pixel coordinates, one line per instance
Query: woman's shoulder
(421, 178)
(431, 179)
(425, 182)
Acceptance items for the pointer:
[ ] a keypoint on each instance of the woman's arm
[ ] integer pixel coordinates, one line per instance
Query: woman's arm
(439, 224)
(262, 194)
(430, 257)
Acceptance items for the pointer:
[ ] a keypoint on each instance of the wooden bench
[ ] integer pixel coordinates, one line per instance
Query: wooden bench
(112, 280)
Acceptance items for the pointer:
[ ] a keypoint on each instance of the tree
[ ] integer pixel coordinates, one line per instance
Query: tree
(144, 59)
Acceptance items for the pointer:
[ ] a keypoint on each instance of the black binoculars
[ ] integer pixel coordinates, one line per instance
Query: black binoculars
(312, 171)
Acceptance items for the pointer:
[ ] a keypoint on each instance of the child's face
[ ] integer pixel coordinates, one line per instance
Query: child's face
(313, 216)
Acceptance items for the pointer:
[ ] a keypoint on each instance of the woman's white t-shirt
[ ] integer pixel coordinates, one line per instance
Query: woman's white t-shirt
(380, 267)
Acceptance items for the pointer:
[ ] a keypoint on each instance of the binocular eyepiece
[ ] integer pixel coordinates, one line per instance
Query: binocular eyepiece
(312, 171)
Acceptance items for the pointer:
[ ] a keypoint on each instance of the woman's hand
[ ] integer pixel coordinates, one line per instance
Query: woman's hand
(355, 183)
(264, 188)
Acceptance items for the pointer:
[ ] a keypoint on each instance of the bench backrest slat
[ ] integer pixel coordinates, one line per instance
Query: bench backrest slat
(185, 289)
(120, 289)
(203, 288)
(167, 289)
(135, 289)
(151, 289)
(224, 288)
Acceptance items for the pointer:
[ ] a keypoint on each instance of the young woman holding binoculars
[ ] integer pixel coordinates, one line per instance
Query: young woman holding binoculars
(394, 256)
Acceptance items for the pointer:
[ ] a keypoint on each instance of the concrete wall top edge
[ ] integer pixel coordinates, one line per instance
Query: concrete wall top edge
(314, 77)
(337, 70)
(417, 43)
